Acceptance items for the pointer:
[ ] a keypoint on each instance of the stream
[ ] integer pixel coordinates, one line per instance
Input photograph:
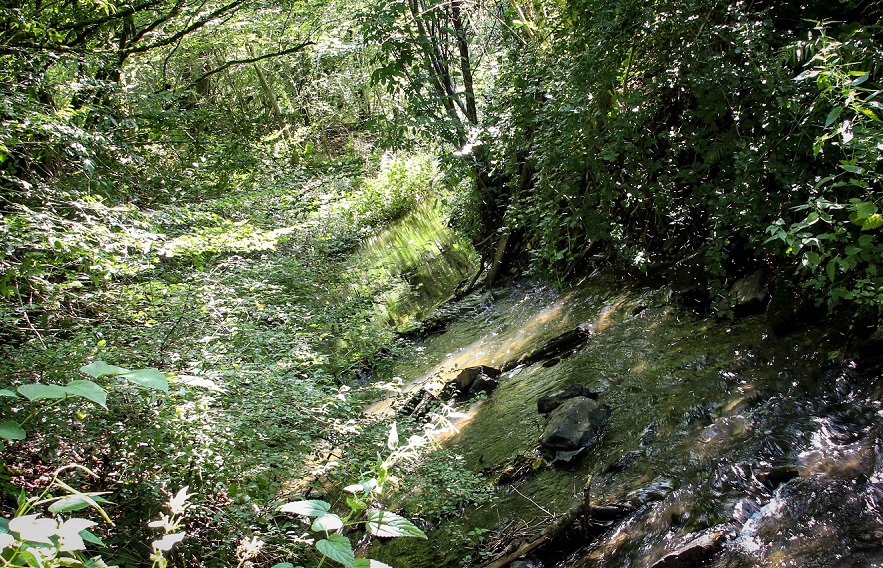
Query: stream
(726, 446)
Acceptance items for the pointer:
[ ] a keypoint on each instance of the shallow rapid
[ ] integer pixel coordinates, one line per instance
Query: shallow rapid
(727, 446)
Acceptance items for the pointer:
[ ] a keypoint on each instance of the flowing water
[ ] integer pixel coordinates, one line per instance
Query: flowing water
(773, 443)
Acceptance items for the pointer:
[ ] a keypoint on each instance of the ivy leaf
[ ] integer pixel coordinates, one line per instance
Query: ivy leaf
(311, 508)
(37, 391)
(148, 378)
(11, 430)
(328, 522)
(7, 392)
(88, 390)
(386, 524)
(338, 548)
(100, 369)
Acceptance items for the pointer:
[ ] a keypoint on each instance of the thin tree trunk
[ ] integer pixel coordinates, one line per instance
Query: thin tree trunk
(465, 63)
(274, 104)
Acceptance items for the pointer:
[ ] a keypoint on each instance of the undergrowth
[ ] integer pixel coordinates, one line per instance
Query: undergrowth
(252, 305)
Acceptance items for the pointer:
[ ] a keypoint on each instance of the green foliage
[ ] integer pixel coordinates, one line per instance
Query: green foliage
(78, 388)
(835, 234)
(377, 522)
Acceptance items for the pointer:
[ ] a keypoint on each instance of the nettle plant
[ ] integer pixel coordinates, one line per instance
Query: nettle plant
(32, 539)
(47, 396)
(837, 233)
(334, 545)
(38, 534)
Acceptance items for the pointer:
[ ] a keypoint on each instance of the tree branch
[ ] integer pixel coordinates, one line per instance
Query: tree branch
(187, 30)
(227, 64)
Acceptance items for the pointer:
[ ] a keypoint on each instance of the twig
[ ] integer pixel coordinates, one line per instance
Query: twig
(532, 501)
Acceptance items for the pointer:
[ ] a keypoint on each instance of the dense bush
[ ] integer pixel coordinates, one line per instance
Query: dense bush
(653, 131)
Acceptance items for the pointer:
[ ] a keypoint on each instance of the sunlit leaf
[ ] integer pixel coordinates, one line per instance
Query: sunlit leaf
(386, 524)
(283, 565)
(872, 222)
(168, 541)
(38, 391)
(88, 390)
(11, 430)
(366, 486)
(327, 522)
(338, 548)
(309, 508)
(69, 534)
(34, 528)
(368, 563)
(7, 392)
(393, 441)
(178, 503)
(100, 369)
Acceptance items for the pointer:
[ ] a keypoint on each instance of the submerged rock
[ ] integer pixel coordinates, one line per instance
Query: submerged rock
(578, 423)
(554, 348)
(526, 563)
(749, 294)
(698, 550)
(418, 404)
(548, 403)
(470, 381)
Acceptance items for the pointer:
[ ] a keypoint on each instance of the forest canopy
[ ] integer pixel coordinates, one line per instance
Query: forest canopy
(185, 185)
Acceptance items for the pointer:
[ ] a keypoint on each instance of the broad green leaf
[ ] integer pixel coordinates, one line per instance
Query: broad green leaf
(862, 77)
(283, 565)
(148, 378)
(327, 522)
(88, 390)
(38, 391)
(7, 392)
(833, 115)
(864, 209)
(310, 508)
(75, 503)
(89, 537)
(831, 267)
(338, 548)
(11, 430)
(100, 369)
(853, 169)
(386, 524)
(866, 240)
(368, 563)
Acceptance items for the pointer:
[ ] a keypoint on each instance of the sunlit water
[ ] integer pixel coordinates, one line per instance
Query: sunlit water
(714, 425)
